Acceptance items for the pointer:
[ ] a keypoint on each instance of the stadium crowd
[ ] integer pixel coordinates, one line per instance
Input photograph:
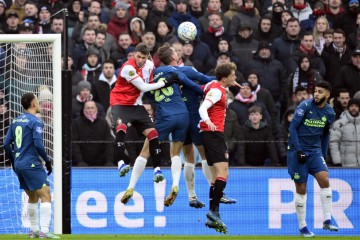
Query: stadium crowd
(281, 49)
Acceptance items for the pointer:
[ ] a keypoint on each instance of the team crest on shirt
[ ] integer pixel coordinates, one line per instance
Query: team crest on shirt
(131, 73)
(39, 130)
(323, 119)
(300, 112)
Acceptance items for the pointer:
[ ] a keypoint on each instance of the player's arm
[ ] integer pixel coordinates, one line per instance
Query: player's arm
(193, 74)
(9, 139)
(38, 141)
(295, 123)
(190, 84)
(213, 96)
(325, 137)
(129, 73)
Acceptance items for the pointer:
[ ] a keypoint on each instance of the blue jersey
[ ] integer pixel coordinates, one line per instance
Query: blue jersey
(309, 128)
(192, 100)
(26, 134)
(169, 100)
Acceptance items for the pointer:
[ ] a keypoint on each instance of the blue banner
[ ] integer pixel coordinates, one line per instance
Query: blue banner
(265, 204)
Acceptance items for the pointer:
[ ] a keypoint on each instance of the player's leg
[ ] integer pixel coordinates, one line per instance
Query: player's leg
(189, 174)
(33, 213)
(299, 174)
(322, 177)
(138, 169)
(152, 136)
(120, 133)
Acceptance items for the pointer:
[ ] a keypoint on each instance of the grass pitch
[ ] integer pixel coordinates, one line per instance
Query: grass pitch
(171, 237)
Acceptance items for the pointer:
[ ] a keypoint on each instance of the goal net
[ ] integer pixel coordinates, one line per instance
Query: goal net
(29, 63)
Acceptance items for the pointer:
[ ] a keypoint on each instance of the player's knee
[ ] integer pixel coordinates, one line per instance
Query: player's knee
(121, 128)
(152, 135)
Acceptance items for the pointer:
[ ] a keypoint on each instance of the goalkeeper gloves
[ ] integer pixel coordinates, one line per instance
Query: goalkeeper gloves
(301, 157)
(173, 78)
(48, 167)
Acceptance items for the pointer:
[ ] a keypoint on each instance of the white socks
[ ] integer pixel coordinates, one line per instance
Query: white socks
(45, 216)
(206, 171)
(189, 175)
(176, 170)
(326, 202)
(121, 162)
(300, 206)
(139, 166)
(33, 216)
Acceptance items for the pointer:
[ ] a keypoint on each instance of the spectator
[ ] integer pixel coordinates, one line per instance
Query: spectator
(181, 14)
(79, 52)
(243, 45)
(328, 37)
(99, 45)
(340, 103)
(348, 75)
(321, 25)
(264, 30)
(213, 6)
(248, 15)
(215, 32)
(26, 28)
(301, 10)
(105, 83)
(344, 137)
(243, 101)
(283, 135)
(183, 61)
(96, 148)
(353, 39)
(84, 94)
(160, 10)
(196, 8)
(120, 21)
(336, 55)
(257, 147)
(224, 46)
(12, 23)
(136, 29)
(300, 95)
(124, 42)
(164, 32)
(44, 24)
(284, 46)
(225, 57)
(231, 133)
(304, 76)
(334, 12)
(348, 20)
(31, 12)
(308, 25)
(95, 8)
(235, 7)
(2, 15)
(76, 76)
(307, 48)
(57, 24)
(278, 11)
(74, 8)
(271, 73)
(199, 54)
(142, 10)
(18, 7)
(91, 70)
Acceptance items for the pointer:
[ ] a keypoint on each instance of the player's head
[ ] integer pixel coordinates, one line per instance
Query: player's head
(168, 55)
(142, 53)
(30, 101)
(322, 92)
(225, 74)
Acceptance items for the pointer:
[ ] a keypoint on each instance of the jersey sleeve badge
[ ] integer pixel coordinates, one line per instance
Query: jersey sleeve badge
(131, 73)
(300, 112)
(39, 130)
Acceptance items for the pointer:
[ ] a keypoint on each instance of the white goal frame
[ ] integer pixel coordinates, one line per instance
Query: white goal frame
(55, 39)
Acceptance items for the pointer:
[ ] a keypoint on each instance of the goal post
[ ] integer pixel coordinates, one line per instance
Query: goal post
(55, 79)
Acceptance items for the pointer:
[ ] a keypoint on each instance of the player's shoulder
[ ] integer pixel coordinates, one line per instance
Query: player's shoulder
(149, 64)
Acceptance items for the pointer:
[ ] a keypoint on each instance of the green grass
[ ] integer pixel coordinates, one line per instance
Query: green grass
(170, 237)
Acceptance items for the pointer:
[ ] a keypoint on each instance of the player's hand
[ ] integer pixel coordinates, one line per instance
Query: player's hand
(48, 167)
(211, 126)
(173, 78)
(301, 157)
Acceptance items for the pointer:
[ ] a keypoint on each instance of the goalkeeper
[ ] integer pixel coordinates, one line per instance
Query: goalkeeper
(25, 133)
(307, 150)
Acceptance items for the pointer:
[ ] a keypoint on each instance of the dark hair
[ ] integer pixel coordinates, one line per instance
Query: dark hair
(252, 71)
(108, 61)
(224, 70)
(324, 84)
(340, 31)
(328, 31)
(141, 47)
(292, 19)
(87, 29)
(100, 31)
(300, 89)
(26, 100)
(342, 90)
(306, 34)
(165, 53)
(255, 109)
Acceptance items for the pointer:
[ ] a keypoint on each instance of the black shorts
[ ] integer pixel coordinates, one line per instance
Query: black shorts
(215, 147)
(137, 116)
